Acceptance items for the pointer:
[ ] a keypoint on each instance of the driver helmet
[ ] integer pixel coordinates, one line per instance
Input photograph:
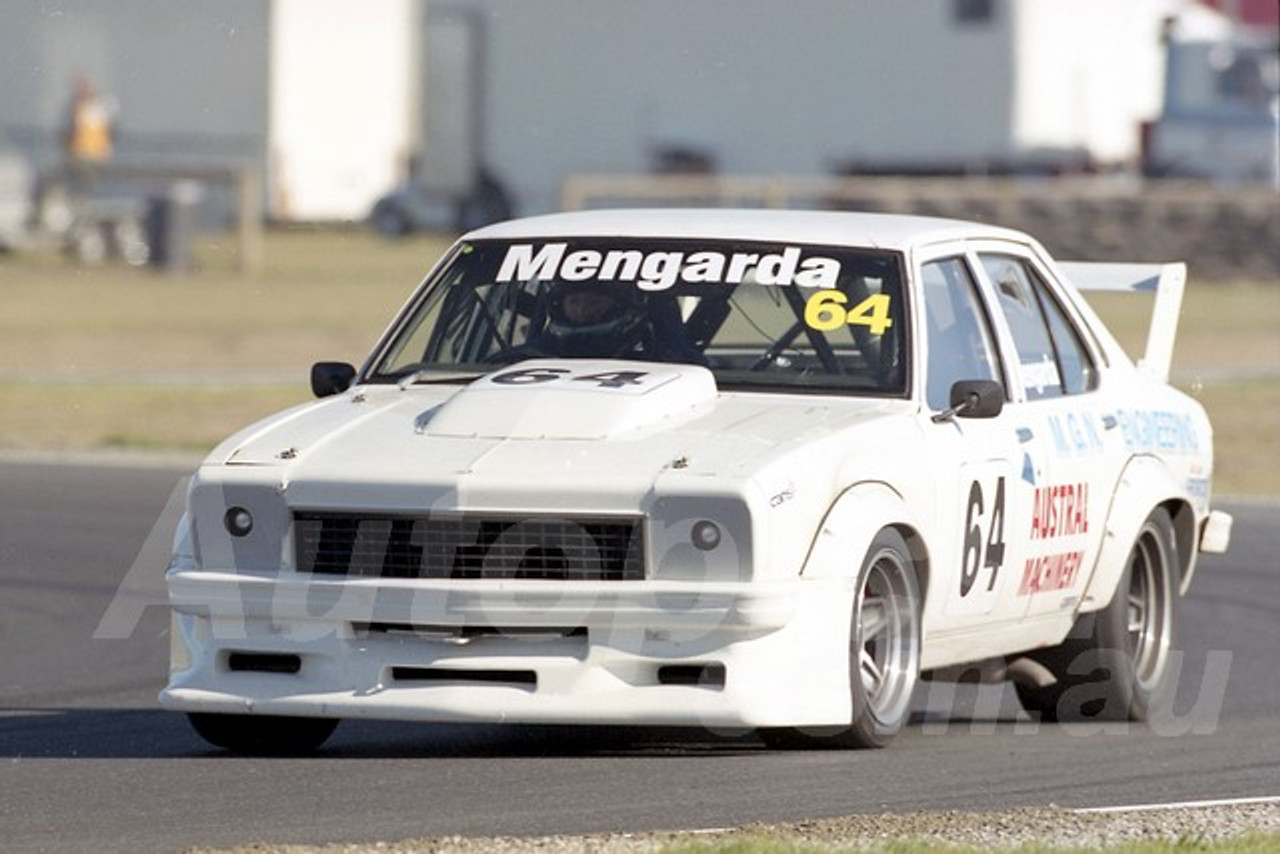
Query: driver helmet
(591, 319)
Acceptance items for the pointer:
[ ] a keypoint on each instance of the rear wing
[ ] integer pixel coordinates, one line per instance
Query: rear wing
(1166, 281)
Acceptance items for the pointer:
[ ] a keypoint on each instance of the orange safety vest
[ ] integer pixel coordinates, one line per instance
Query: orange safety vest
(90, 132)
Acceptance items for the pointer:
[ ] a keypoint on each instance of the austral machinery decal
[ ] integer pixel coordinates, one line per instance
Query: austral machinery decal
(658, 270)
(1059, 512)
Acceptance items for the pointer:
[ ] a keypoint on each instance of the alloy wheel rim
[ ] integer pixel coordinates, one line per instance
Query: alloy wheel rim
(1147, 615)
(886, 646)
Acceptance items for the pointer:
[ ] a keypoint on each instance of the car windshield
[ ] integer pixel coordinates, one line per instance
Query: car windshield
(768, 316)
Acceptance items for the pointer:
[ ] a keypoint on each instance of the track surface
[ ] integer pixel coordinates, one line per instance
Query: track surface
(88, 762)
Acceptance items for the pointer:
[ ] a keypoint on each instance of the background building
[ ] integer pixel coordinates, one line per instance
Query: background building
(337, 101)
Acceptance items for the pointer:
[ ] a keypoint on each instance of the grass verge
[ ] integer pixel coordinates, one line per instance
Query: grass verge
(102, 416)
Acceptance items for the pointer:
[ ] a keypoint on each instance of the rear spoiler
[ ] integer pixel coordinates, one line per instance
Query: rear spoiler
(1166, 281)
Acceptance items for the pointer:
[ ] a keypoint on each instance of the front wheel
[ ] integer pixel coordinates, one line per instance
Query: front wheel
(884, 652)
(262, 734)
(1117, 663)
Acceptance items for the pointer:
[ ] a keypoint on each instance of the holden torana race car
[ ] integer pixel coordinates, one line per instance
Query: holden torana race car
(733, 469)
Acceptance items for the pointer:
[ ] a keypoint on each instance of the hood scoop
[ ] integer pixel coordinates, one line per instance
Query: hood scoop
(558, 399)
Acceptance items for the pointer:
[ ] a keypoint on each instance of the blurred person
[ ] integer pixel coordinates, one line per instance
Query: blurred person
(88, 138)
(89, 135)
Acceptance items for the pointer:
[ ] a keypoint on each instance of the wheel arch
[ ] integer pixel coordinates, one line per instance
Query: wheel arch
(1146, 485)
(1184, 533)
(852, 522)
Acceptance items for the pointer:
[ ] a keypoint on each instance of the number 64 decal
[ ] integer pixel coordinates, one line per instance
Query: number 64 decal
(982, 550)
(536, 376)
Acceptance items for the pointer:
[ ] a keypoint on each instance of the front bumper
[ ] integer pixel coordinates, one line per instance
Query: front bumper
(670, 653)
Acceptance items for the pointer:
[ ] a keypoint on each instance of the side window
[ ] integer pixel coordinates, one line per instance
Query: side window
(1074, 362)
(1053, 361)
(958, 335)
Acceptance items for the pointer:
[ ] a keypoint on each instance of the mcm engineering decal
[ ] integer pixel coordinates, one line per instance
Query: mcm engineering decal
(1157, 430)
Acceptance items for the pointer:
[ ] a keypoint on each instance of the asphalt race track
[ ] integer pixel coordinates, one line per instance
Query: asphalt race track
(88, 762)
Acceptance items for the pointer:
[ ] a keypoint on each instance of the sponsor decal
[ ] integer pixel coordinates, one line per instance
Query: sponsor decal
(1075, 435)
(1157, 430)
(1198, 490)
(1028, 469)
(779, 498)
(1047, 573)
(1037, 376)
(1060, 511)
(1057, 512)
(658, 270)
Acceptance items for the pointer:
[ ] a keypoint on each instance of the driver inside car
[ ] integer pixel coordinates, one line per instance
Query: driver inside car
(588, 320)
(591, 320)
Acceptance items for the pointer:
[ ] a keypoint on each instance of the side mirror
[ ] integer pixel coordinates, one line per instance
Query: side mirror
(330, 378)
(974, 399)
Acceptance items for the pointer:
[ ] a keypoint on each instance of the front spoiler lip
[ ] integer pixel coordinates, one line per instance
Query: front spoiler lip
(746, 606)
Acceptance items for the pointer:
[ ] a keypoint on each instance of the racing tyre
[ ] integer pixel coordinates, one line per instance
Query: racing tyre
(884, 653)
(262, 734)
(1117, 663)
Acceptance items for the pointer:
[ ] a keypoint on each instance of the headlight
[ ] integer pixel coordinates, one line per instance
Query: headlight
(238, 521)
(705, 535)
(700, 537)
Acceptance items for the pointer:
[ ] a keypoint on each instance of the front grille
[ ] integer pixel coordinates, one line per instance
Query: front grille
(471, 547)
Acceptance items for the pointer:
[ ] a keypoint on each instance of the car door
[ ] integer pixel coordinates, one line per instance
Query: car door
(981, 494)
(1066, 434)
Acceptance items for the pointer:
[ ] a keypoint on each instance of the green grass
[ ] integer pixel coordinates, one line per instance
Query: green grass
(1225, 327)
(321, 294)
(109, 415)
(112, 356)
(117, 357)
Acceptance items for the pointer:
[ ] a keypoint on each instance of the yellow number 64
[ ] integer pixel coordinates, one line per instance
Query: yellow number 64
(825, 311)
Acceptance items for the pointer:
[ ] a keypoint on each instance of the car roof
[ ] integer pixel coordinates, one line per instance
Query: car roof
(875, 230)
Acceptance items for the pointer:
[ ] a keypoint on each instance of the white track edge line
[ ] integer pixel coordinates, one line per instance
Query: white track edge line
(1181, 805)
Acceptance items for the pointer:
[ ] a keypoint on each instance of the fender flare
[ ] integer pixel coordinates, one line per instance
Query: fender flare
(850, 524)
(1145, 484)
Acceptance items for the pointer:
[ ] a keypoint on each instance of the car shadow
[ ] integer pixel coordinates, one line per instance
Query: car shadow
(106, 733)
(93, 733)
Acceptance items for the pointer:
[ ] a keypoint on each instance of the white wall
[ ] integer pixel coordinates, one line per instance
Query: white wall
(342, 88)
(1089, 73)
(770, 87)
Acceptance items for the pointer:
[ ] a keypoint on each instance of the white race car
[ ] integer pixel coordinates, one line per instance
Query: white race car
(732, 469)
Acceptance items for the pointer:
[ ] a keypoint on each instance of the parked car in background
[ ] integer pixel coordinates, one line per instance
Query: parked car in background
(413, 207)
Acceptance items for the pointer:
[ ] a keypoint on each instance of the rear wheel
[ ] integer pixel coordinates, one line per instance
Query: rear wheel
(1116, 664)
(262, 734)
(884, 653)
